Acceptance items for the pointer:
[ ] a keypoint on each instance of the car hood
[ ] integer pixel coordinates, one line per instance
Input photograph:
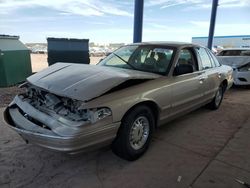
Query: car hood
(84, 82)
(234, 62)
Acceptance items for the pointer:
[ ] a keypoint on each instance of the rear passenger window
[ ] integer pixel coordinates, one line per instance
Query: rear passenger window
(205, 59)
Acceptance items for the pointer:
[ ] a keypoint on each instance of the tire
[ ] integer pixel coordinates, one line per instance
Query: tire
(216, 102)
(135, 133)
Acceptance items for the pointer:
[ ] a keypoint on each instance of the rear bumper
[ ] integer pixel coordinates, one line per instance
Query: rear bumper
(86, 138)
(241, 78)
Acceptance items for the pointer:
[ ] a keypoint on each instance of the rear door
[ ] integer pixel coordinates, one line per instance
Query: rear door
(211, 71)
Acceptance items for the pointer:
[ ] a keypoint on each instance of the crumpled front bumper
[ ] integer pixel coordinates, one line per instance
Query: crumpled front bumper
(41, 129)
(241, 78)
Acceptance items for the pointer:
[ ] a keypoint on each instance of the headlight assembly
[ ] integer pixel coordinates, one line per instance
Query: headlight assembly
(99, 114)
(244, 68)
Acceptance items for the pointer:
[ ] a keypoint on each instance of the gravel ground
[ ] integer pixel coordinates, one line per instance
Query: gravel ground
(7, 95)
(203, 149)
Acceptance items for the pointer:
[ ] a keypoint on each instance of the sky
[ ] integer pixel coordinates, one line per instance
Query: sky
(111, 21)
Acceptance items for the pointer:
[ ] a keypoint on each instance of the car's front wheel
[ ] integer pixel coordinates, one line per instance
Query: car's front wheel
(135, 133)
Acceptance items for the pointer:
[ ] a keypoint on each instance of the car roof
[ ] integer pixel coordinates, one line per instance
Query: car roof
(167, 43)
(236, 49)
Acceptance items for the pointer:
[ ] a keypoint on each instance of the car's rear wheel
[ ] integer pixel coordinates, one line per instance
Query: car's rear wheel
(135, 133)
(216, 102)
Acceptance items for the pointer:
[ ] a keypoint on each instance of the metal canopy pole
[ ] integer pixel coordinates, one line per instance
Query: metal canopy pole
(212, 24)
(138, 20)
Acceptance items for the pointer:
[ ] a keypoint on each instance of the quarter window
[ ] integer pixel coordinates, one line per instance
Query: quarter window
(214, 59)
(205, 60)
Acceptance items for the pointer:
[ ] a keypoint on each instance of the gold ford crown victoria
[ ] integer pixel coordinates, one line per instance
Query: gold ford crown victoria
(74, 107)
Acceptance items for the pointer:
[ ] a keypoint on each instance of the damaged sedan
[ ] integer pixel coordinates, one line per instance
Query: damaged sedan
(121, 101)
(239, 60)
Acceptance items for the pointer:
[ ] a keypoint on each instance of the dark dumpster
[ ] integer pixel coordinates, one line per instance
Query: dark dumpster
(68, 50)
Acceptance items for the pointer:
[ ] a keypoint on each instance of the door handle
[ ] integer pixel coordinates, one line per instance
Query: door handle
(202, 78)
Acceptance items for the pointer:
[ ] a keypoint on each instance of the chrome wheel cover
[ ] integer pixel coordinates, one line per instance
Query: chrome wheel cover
(139, 133)
(218, 97)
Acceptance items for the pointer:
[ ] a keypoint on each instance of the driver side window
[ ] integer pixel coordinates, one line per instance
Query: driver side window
(187, 57)
(187, 63)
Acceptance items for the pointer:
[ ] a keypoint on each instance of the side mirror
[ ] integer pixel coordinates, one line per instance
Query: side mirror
(183, 69)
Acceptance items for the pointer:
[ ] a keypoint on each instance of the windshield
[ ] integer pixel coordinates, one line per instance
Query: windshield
(143, 58)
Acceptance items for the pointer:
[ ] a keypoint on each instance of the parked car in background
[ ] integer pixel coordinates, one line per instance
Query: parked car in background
(96, 52)
(99, 52)
(121, 101)
(239, 60)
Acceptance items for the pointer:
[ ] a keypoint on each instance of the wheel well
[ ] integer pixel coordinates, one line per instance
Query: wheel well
(224, 85)
(152, 105)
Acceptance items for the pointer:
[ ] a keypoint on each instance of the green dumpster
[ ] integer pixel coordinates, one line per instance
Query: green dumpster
(15, 64)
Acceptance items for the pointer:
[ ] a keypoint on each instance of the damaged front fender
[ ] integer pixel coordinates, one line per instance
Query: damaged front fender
(59, 133)
(56, 124)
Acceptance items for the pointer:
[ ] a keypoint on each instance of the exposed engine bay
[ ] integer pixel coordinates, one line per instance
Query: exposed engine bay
(61, 107)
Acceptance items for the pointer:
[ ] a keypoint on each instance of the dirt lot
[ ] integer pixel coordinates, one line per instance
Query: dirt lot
(39, 61)
(7, 94)
(202, 149)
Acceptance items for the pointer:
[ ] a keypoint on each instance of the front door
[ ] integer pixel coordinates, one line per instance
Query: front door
(188, 89)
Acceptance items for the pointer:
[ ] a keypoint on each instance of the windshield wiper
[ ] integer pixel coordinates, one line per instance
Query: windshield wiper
(132, 66)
